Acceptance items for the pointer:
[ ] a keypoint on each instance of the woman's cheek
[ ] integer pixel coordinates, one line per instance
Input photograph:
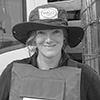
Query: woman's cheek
(39, 41)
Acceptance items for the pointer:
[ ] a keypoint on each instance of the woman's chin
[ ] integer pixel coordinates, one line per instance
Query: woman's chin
(50, 54)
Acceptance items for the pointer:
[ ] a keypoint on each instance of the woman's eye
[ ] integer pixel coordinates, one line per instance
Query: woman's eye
(56, 31)
(40, 32)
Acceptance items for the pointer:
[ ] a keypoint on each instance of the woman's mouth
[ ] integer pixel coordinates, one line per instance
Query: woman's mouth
(48, 46)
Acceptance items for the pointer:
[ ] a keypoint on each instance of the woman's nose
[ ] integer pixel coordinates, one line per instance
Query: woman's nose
(48, 38)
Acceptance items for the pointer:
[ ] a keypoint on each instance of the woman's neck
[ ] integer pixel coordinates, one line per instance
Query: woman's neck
(45, 63)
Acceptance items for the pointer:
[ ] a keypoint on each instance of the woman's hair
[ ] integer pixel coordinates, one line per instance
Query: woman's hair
(31, 44)
(31, 40)
(65, 40)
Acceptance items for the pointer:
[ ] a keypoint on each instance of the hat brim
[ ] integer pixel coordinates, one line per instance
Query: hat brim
(21, 32)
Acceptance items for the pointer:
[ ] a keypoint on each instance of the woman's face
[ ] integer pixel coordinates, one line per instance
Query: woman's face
(49, 42)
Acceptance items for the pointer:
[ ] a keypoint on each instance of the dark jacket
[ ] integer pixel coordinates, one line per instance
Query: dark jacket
(89, 86)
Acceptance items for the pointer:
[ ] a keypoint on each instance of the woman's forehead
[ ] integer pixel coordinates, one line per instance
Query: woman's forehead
(49, 30)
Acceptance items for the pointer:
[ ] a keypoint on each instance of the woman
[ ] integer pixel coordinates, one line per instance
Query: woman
(49, 74)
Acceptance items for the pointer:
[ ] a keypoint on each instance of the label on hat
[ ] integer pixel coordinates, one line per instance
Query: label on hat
(48, 13)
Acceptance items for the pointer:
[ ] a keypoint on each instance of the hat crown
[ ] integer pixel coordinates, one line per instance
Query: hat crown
(48, 12)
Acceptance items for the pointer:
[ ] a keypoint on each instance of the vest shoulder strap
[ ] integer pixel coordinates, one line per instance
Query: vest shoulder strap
(72, 63)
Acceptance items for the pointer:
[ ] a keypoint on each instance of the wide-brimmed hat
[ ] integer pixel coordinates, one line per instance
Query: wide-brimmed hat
(48, 16)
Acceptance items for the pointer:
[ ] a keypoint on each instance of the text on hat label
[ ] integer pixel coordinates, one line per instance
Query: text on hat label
(48, 13)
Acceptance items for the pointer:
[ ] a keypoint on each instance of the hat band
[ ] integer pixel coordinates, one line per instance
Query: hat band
(54, 22)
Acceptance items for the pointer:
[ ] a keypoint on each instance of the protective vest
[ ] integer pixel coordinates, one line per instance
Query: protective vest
(31, 83)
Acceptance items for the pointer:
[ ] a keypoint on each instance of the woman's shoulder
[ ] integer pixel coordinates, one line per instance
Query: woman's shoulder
(85, 68)
(87, 71)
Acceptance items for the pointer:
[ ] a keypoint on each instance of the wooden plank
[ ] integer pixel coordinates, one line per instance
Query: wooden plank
(89, 22)
(69, 4)
(75, 23)
(98, 29)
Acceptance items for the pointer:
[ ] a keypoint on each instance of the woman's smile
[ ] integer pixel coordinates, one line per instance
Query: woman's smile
(49, 46)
